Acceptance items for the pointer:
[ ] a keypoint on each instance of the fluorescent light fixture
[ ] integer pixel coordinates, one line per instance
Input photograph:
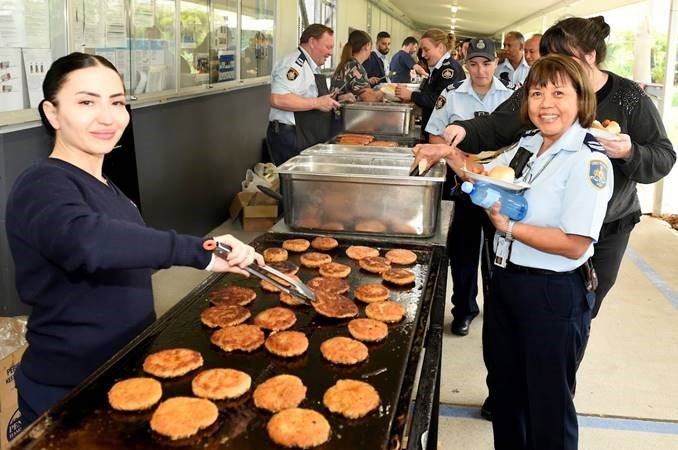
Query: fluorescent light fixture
(454, 9)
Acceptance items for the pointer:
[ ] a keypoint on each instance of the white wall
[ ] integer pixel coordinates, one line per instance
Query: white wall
(286, 27)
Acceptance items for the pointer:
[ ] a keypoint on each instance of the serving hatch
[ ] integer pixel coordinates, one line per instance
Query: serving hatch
(360, 193)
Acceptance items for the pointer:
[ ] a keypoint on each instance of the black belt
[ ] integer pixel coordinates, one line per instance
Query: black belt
(277, 125)
(515, 268)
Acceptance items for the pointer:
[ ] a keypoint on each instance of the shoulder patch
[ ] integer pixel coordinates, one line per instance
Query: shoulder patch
(292, 74)
(440, 102)
(598, 173)
(453, 86)
(447, 73)
(592, 143)
(530, 132)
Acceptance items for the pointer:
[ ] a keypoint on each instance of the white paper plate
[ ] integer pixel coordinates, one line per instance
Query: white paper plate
(515, 186)
(602, 134)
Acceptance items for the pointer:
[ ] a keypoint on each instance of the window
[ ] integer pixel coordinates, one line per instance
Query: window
(256, 38)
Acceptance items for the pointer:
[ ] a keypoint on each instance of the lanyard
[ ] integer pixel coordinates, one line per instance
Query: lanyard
(530, 179)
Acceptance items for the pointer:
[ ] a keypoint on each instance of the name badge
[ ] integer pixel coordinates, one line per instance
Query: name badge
(503, 252)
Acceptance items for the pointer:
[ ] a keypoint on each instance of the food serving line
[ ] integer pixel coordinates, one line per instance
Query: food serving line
(346, 187)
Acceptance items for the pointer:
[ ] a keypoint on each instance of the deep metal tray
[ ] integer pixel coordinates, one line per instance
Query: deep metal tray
(85, 420)
(360, 194)
(377, 118)
(367, 150)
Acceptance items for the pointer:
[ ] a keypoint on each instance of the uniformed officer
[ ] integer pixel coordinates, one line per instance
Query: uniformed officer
(301, 104)
(514, 67)
(540, 308)
(444, 70)
(477, 95)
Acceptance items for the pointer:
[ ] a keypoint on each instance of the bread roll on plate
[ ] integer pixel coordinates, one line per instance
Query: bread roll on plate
(503, 173)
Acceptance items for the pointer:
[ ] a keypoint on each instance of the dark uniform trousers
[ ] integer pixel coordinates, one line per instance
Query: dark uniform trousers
(535, 326)
(464, 239)
(281, 140)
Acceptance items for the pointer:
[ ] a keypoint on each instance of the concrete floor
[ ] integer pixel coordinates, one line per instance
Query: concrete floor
(627, 392)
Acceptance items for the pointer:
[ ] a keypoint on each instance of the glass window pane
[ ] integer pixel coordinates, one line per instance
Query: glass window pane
(194, 43)
(152, 46)
(224, 39)
(256, 38)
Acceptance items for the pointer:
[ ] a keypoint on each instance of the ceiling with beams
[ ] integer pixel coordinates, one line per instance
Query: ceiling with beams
(491, 17)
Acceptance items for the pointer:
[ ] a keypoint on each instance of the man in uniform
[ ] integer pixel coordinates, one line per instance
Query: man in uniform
(301, 104)
(377, 65)
(532, 49)
(514, 67)
(477, 95)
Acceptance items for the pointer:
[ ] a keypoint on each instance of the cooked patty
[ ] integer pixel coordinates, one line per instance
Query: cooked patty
(313, 260)
(360, 251)
(368, 330)
(275, 254)
(297, 427)
(335, 306)
(220, 384)
(232, 295)
(224, 315)
(276, 318)
(401, 256)
(287, 343)
(182, 417)
(370, 226)
(351, 398)
(265, 285)
(296, 245)
(279, 392)
(399, 276)
(335, 285)
(324, 243)
(385, 311)
(372, 292)
(240, 337)
(135, 394)
(335, 270)
(172, 362)
(343, 350)
(375, 264)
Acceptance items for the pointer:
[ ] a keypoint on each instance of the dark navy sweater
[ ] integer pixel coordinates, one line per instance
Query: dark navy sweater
(83, 261)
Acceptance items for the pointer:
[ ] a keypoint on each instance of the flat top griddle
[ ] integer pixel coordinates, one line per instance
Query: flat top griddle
(85, 420)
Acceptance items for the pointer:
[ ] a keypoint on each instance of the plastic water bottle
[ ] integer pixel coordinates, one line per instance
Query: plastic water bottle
(485, 195)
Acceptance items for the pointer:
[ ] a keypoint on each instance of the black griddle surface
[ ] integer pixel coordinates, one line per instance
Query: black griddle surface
(85, 420)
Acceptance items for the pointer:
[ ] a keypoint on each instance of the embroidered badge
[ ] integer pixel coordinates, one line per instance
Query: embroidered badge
(440, 102)
(292, 74)
(598, 173)
(448, 73)
(480, 44)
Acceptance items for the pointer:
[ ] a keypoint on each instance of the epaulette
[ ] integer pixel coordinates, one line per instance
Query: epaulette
(300, 60)
(529, 133)
(454, 86)
(592, 143)
(510, 84)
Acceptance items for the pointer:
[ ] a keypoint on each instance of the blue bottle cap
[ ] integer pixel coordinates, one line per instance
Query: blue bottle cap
(467, 187)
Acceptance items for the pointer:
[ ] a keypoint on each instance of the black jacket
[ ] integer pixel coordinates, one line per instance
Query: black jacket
(449, 72)
(625, 102)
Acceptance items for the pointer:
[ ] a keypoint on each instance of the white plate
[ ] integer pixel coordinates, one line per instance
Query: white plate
(602, 134)
(515, 186)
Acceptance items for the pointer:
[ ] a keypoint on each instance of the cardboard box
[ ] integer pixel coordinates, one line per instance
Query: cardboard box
(259, 211)
(10, 418)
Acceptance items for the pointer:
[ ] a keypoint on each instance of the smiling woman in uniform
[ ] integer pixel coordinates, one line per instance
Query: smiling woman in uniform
(82, 252)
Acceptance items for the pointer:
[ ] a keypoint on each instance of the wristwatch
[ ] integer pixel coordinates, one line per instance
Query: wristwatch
(509, 230)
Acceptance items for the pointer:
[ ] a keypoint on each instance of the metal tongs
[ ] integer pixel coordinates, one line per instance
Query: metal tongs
(296, 288)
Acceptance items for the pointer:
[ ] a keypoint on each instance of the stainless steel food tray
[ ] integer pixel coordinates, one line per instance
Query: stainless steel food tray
(377, 118)
(341, 149)
(363, 194)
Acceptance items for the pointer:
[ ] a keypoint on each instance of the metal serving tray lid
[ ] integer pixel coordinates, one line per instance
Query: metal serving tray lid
(360, 167)
(338, 149)
(378, 106)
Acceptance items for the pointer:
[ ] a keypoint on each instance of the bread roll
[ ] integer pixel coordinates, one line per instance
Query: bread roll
(608, 125)
(503, 173)
(389, 89)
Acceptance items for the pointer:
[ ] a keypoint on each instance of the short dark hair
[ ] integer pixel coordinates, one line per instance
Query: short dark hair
(554, 68)
(383, 35)
(58, 73)
(576, 36)
(315, 30)
(409, 40)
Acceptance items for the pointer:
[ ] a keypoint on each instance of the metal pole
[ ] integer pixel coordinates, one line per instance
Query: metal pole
(667, 100)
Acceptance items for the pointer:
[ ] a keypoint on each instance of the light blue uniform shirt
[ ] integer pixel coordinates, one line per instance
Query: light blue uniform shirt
(462, 102)
(516, 75)
(570, 187)
(293, 75)
(387, 64)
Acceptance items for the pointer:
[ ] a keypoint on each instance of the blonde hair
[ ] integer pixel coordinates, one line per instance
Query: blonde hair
(439, 37)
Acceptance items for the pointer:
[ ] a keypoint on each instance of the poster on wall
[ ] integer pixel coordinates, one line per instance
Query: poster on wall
(37, 24)
(11, 80)
(36, 63)
(226, 66)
